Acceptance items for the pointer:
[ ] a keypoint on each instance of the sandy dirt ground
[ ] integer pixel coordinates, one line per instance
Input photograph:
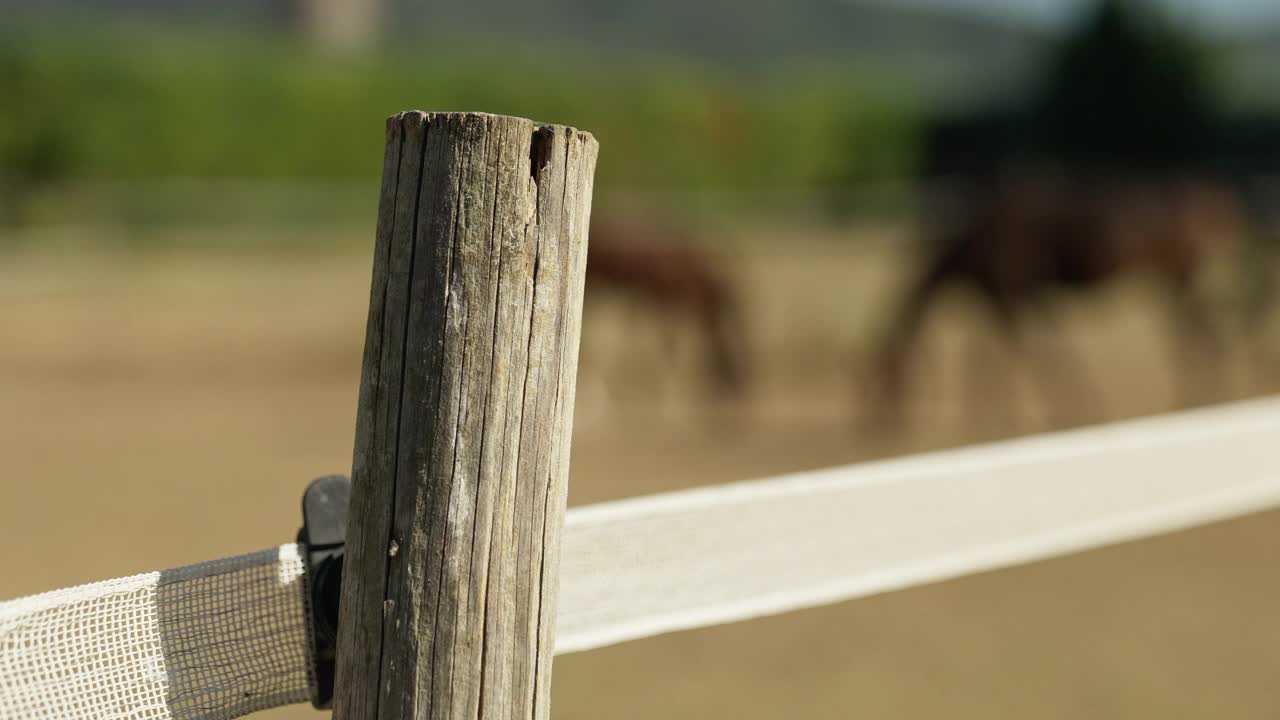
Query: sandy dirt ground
(164, 408)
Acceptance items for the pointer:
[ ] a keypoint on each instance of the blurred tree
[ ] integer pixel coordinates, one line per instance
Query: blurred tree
(34, 136)
(1126, 88)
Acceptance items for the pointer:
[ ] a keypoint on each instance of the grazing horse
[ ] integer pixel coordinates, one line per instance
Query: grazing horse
(1021, 239)
(661, 266)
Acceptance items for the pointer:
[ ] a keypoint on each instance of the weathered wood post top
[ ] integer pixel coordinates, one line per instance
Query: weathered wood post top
(465, 414)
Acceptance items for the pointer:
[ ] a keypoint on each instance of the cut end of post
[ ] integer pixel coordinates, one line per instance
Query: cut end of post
(462, 117)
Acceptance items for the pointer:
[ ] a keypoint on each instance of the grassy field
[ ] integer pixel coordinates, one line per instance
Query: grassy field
(161, 408)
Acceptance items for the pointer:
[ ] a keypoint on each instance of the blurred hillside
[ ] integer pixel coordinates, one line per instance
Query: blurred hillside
(925, 47)
(142, 111)
(746, 36)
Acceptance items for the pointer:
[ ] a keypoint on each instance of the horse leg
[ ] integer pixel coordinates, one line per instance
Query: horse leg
(985, 396)
(1260, 271)
(1199, 347)
(1061, 384)
(887, 388)
(725, 341)
(1259, 259)
(987, 361)
(1072, 393)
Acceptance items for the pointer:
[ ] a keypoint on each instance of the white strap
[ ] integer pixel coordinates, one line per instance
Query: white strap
(636, 568)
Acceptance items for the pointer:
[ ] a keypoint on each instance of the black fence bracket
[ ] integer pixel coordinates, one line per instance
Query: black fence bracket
(323, 539)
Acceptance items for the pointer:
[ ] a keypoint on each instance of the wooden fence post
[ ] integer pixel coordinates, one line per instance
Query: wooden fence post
(466, 407)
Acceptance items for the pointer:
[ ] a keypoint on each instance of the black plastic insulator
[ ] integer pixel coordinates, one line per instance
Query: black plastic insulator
(323, 538)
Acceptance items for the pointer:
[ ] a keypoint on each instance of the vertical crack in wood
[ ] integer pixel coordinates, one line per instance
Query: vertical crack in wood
(537, 610)
(538, 154)
(496, 247)
(424, 490)
(456, 290)
(469, 596)
(565, 248)
(526, 238)
(390, 608)
(539, 158)
(369, 445)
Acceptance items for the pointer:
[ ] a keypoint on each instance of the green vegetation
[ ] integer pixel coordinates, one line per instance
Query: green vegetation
(148, 106)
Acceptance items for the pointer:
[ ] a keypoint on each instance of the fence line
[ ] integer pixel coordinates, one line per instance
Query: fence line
(641, 567)
(645, 566)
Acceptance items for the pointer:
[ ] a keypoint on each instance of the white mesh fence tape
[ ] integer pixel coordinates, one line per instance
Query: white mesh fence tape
(640, 567)
(222, 639)
(210, 641)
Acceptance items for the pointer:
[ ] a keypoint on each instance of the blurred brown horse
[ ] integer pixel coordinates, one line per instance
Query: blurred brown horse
(660, 265)
(1020, 239)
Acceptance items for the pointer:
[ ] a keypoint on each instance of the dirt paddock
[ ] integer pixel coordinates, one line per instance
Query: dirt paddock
(164, 408)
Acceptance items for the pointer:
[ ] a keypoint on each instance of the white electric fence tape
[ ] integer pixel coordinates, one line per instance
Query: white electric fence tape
(641, 567)
(222, 639)
(211, 641)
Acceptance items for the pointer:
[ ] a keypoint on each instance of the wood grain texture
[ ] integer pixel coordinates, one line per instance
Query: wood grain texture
(466, 406)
